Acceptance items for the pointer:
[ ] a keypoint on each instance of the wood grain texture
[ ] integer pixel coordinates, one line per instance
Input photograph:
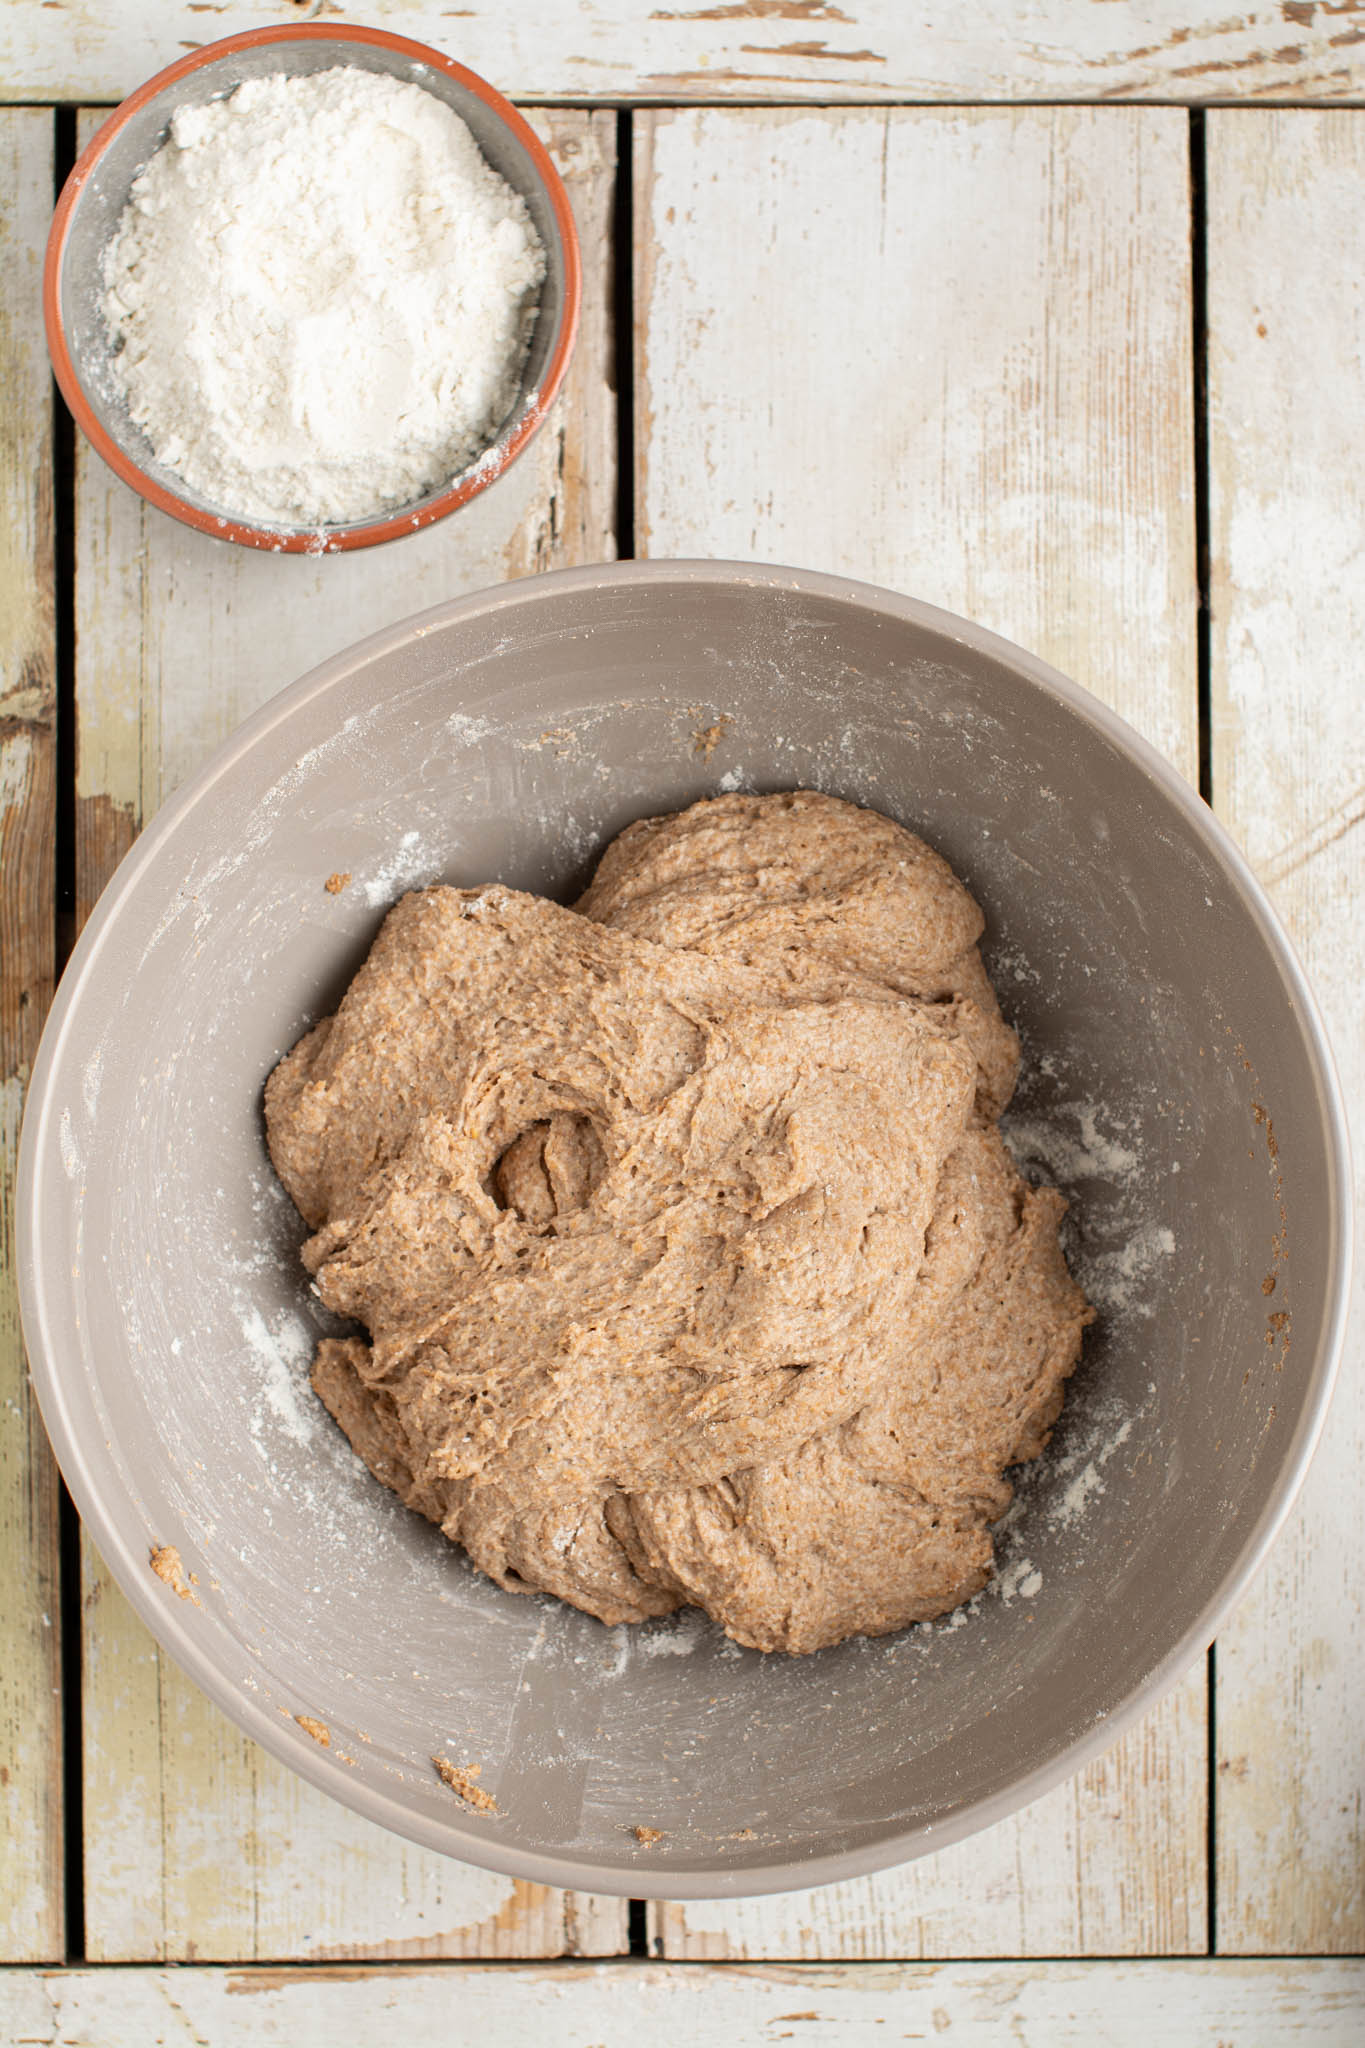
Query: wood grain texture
(945, 351)
(950, 352)
(198, 1845)
(618, 2005)
(31, 1900)
(1110, 1863)
(755, 49)
(1286, 258)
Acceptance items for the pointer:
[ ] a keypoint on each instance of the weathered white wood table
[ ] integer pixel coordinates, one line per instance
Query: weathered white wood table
(885, 288)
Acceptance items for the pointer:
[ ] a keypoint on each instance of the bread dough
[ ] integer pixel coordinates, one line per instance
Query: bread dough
(693, 1266)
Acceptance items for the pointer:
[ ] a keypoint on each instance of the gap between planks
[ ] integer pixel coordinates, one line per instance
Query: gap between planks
(1286, 349)
(993, 51)
(615, 2005)
(31, 1905)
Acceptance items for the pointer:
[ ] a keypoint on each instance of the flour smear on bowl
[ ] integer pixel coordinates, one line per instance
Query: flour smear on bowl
(321, 297)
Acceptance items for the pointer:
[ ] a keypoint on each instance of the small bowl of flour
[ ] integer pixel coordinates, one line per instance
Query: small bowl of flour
(312, 288)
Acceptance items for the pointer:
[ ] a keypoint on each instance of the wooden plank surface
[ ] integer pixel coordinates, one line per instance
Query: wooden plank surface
(1286, 256)
(197, 1844)
(1013, 290)
(618, 2005)
(949, 352)
(754, 49)
(1109, 1864)
(31, 1899)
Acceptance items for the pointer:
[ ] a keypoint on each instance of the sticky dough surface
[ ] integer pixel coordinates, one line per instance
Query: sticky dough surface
(693, 1267)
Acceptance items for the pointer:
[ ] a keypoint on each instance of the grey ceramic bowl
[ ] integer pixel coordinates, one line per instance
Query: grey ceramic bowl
(1178, 1085)
(96, 193)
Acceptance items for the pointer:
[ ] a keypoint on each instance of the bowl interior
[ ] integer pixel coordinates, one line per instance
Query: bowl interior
(104, 195)
(1172, 1086)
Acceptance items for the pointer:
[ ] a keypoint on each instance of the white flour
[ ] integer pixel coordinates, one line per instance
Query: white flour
(321, 297)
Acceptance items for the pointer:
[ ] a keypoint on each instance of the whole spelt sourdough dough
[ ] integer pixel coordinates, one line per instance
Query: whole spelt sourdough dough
(693, 1265)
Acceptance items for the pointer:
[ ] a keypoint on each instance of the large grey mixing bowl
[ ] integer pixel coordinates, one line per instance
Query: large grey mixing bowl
(1179, 1086)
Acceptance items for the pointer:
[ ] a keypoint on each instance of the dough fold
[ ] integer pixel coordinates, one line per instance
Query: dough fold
(692, 1264)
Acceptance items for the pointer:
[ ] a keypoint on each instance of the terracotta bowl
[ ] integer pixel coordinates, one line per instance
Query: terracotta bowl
(96, 192)
(1177, 1085)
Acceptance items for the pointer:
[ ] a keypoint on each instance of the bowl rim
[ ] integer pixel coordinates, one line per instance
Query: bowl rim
(452, 1836)
(484, 470)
